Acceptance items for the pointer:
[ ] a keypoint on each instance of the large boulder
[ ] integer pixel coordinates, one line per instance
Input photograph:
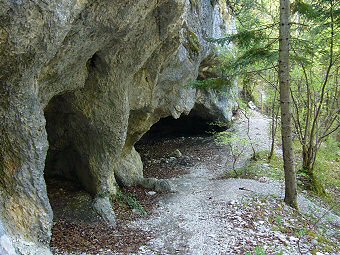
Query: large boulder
(81, 81)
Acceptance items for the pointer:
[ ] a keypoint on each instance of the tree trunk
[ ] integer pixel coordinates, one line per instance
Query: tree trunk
(307, 158)
(308, 161)
(273, 126)
(286, 118)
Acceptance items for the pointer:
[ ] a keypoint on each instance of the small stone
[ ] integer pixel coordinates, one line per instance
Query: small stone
(162, 186)
(177, 153)
(263, 179)
(251, 105)
(315, 242)
(151, 193)
(293, 239)
(172, 159)
(282, 237)
(232, 202)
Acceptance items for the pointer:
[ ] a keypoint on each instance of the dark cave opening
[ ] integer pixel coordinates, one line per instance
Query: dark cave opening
(172, 146)
(67, 175)
(185, 126)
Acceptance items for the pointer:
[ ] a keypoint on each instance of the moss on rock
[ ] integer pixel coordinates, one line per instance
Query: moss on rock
(193, 44)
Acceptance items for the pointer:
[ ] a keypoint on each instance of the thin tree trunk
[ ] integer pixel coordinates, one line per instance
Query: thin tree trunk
(248, 135)
(273, 126)
(286, 118)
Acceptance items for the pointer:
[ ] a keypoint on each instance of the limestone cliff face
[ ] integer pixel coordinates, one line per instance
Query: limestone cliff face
(80, 82)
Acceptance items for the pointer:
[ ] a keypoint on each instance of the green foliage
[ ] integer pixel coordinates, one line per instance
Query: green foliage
(236, 144)
(217, 84)
(327, 168)
(279, 220)
(303, 8)
(315, 88)
(261, 56)
(261, 168)
(243, 39)
(256, 42)
(125, 198)
(230, 138)
(258, 251)
(315, 65)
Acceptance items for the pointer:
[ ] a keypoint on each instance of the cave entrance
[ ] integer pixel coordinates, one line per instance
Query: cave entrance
(185, 126)
(67, 174)
(172, 146)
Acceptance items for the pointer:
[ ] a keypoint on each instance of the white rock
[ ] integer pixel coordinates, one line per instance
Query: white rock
(282, 237)
(251, 105)
(293, 239)
(263, 179)
(151, 193)
(232, 202)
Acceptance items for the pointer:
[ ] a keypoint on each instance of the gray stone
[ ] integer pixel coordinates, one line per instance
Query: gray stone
(163, 186)
(177, 153)
(158, 185)
(81, 82)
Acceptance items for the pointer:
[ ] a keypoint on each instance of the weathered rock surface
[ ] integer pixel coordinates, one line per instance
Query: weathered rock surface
(81, 81)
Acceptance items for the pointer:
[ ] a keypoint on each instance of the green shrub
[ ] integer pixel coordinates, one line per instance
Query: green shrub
(126, 198)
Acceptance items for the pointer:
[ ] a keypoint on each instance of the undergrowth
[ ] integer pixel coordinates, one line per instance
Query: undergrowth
(302, 228)
(327, 170)
(126, 199)
(260, 167)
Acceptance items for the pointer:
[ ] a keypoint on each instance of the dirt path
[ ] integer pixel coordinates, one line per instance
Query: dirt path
(193, 221)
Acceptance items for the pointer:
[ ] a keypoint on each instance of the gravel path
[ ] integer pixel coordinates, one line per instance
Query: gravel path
(200, 217)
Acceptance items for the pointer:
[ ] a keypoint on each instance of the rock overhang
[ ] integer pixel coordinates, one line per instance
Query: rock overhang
(119, 67)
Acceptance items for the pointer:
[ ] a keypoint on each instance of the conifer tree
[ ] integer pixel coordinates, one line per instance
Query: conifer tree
(285, 100)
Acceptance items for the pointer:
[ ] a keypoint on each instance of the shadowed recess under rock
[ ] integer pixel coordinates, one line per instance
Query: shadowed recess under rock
(69, 182)
(64, 158)
(186, 125)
